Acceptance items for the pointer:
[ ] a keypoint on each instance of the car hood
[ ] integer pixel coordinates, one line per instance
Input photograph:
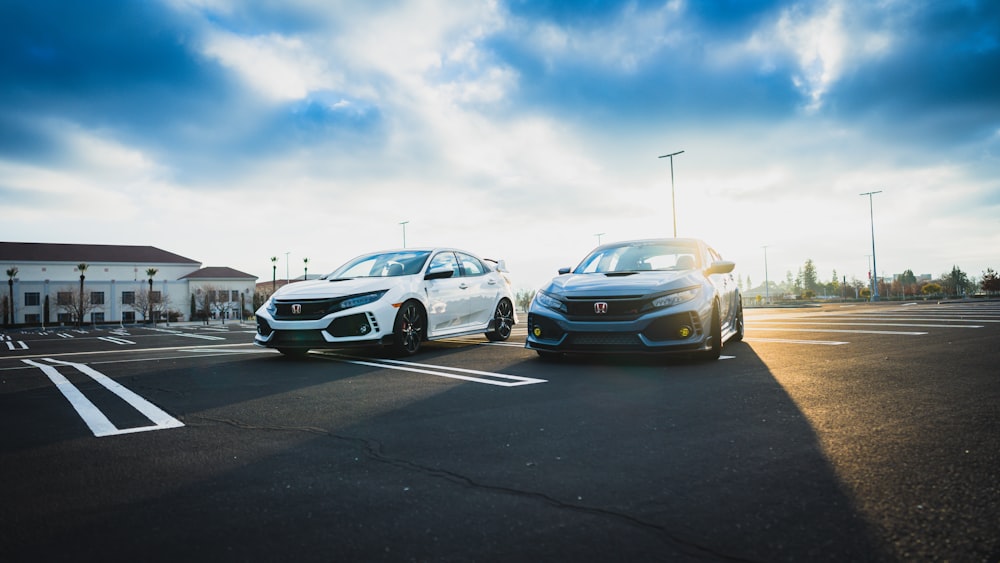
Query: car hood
(319, 289)
(641, 283)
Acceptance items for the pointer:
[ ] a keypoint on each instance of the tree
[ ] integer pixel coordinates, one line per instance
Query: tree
(955, 282)
(9, 308)
(150, 272)
(809, 280)
(150, 303)
(990, 282)
(908, 281)
(76, 305)
(305, 268)
(82, 266)
(524, 298)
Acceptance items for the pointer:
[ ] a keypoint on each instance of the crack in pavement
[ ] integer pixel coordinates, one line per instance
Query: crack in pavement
(373, 450)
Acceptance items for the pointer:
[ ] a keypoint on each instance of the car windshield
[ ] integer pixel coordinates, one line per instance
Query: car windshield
(640, 257)
(386, 264)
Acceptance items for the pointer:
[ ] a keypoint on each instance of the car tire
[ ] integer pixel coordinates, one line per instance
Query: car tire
(739, 327)
(715, 336)
(503, 321)
(409, 329)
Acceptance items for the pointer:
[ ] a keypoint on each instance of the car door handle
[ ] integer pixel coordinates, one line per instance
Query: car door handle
(463, 286)
(492, 282)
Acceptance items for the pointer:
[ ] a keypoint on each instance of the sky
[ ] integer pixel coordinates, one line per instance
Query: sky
(232, 132)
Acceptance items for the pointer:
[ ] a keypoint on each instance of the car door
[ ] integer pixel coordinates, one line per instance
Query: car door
(726, 286)
(482, 287)
(447, 302)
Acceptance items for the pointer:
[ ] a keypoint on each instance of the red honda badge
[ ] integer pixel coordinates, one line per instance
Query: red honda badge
(601, 308)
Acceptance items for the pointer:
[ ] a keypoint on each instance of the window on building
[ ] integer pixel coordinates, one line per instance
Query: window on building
(65, 317)
(64, 298)
(235, 295)
(128, 298)
(32, 299)
(33, 318)
(128, 316)
(97, 317)
(97, 298)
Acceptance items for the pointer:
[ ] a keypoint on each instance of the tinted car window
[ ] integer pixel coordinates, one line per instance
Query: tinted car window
(471, 266)
(444, 260)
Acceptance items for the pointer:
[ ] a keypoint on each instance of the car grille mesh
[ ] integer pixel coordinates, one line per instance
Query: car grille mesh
(312, 309)
(618, 308)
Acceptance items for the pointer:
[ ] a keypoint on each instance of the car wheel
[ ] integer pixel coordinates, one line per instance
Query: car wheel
(293, 352)
(503, 321)
(738, 334)
(409, 328)
(715, 336)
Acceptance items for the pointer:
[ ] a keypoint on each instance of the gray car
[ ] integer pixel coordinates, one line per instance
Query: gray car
(644, 296)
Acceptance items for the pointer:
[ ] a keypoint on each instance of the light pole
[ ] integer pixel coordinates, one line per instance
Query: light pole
(598, 235)
(767, 285)
(403, 223)
(286, 267)
(673, 202)
(871, 213)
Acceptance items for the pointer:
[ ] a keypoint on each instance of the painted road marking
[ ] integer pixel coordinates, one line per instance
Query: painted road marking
(791, 341)
(777, 329)
(19, 346)
(867, 322)
(115, 340)
(499, 379)
(96, 420)
(64, 335)
(201, 336)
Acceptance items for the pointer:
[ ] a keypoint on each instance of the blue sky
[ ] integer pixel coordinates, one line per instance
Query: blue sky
(231, 132)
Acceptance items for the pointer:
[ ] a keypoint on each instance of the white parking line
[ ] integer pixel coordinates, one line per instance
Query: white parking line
(20, 345)
(777, 329)
(115, 340)
(440, 371)
(791, 341)
(91, 415)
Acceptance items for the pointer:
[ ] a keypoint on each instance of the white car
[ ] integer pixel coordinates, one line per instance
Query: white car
(395, 298)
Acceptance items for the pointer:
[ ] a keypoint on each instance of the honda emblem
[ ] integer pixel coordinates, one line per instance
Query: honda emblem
(296, 309)
(601, 308)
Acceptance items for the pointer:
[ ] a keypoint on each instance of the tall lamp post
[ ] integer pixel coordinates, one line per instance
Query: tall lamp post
(871, 213)
(403, 223)
(599, 235)
(673, 202)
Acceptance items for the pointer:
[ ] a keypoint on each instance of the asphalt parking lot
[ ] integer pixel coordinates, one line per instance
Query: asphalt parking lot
(862, 433)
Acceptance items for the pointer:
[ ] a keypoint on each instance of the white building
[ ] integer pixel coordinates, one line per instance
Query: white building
(43, 283)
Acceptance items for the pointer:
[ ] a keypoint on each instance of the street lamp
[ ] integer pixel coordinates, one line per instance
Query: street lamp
(286, 267)
(598, 235)
(673, 203)
(403, 223)
(871, 213)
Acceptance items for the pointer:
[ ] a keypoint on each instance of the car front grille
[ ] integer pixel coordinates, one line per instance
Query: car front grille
(297, 338)
(308, 309)
(610, 340)
(605, 308)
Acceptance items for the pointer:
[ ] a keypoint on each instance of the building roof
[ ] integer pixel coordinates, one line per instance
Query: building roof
(218, 273)
(13, 252)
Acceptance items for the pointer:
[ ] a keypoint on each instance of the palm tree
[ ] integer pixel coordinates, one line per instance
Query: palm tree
(274, 272)
(150, 272)
(11, 272)
(82, 266)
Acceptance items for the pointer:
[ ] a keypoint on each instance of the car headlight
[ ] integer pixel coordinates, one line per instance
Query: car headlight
(359, 300)
(271, 307)
(545, 300)
(676, 298)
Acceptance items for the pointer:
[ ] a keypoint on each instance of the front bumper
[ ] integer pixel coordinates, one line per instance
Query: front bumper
(675, 330)
(354, 328)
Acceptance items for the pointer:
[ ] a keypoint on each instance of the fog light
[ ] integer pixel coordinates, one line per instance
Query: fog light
(537, 331)
(684, 332)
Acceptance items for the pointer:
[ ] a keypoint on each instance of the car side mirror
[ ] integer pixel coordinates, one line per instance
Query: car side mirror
(720, 267)
(564, 271)
(439, 274)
